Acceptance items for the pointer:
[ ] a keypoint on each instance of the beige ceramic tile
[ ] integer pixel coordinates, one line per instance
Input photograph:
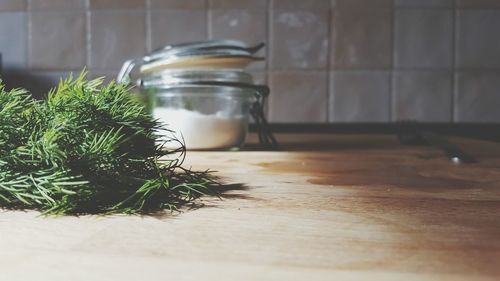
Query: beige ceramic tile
(300, 4)
(478, 3)
(246, 25)
(362, 38)
(107, 77)
(51, 5)
(423, 96)
(424, 38)
(299, 39)
(477, 98)
(178, 4)
(364, 4)
(238, 4)
(13, 25)
(165, 27)
(117, 4)
(122, 38)
(298, 97)
(249, 26)
(57, 40)
(360, 96)
(259, 77)
(424, 3)
(478, 43)
(13, 5)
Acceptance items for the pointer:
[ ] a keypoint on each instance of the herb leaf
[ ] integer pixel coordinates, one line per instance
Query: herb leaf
(89, 148)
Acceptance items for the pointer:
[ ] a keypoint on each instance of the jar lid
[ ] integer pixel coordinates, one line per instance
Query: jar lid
(220, 46)
(209, 54)
(199, 61)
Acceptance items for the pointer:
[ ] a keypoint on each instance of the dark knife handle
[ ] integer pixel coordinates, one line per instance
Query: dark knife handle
(454, 153)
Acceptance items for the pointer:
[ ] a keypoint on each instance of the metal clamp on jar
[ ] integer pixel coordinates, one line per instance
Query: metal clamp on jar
(200, 91)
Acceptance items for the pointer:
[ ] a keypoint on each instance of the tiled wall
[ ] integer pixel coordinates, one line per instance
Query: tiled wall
(328, 61)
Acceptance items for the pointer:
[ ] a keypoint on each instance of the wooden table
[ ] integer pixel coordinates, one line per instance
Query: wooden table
(328, 208)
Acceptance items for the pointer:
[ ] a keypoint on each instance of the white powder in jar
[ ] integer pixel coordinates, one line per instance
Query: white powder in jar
(203, 131)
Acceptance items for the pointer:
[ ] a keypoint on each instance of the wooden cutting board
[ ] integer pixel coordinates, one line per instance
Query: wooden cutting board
(327, 208)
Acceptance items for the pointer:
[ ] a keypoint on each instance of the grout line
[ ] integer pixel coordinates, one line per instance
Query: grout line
(29, 35)
(491, 8)
(88, 35)
(422, 8)
(209, 20)
(330, 49)
(270, 33)
(454, 85)
(269, 36)
(147, 24)
(392, 94)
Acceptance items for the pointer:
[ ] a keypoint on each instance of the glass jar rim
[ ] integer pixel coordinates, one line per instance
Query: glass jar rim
(170, 76)
(205, 90)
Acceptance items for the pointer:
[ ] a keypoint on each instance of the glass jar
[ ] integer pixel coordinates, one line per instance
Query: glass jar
(200, 90)
(204, 117)
(207, 109)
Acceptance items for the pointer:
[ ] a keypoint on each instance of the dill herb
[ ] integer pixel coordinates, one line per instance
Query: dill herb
(88, 148)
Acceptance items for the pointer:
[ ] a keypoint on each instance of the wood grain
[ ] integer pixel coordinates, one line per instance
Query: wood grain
(327, 208)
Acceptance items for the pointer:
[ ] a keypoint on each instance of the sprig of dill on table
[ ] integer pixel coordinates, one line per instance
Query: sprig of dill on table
(88, 148)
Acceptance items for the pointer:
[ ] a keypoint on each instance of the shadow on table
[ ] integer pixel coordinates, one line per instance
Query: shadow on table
(220, 192)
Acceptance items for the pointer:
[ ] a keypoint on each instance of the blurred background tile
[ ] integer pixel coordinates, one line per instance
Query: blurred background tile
(422, 96)
(13, 27)
(360, 96)
(299, 38)
(364, 3)
(477, 97)
(423, 38)
(57, 40)
(363, 37)
(478, 3)
(107, 77)
(117, 4)
(298, 97)
(178, 4)
(247, 25)
(165, 26)
(301, 5)
(13, 5)
(122, 39)
(239, 4)
(478, 42)
(363, 42)
(259, 77)
(51, 5)
(424, 3)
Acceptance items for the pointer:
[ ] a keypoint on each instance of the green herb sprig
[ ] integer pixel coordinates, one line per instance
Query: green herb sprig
(89, 148)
